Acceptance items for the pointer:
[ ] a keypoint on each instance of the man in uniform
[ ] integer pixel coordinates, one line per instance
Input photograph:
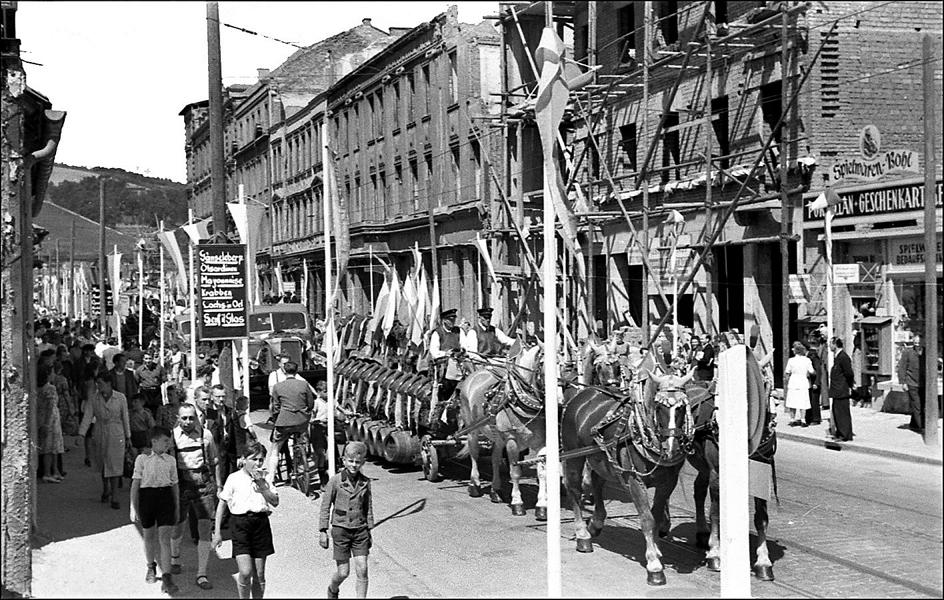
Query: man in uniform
(444, 349)
(489, 340)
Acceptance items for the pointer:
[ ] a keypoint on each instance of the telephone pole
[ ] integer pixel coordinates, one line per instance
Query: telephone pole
(931, 324)
(217, 167)
(102, 262)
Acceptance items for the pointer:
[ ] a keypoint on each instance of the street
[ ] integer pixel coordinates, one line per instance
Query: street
(848, 525)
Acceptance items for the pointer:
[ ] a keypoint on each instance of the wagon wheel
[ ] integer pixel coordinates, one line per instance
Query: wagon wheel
(430, 455)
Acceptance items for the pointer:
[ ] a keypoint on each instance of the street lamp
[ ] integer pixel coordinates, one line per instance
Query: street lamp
(677, 221)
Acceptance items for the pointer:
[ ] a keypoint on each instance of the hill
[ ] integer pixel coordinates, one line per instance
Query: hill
(130, 198)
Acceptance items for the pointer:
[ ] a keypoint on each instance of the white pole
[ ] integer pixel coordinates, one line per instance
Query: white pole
(115, 294)
(160, 320)
(675, 336)
(193, 308)
(829, 284)
(244, 354)
(328, 190)
(733, 480)
(141, 298)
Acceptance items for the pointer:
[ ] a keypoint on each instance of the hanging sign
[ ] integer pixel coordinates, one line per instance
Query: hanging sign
(96, 306)
(872, 163)
(221, 285)
(799, 289)
(907, 254)
(846, 273)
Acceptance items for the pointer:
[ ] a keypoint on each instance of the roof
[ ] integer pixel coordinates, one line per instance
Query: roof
(58, 220)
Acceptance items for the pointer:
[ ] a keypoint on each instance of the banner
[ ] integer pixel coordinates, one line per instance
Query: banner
(197, 231)
(482, 246)
(173, 248)
(221, 287)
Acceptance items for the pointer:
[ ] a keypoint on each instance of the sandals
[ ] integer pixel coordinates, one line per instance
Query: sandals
(203, 583)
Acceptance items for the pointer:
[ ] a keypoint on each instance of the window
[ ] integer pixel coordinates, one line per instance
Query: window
(771, 107)
(594, 159)
(454, 152)
(477, 170)
(373, 201)
(453, 78)
(430, 201)
(425, 92)
(670, 145)
(373, 114)
(582, 42)
(719, 122)
(414, 185)
(411, 100)
(628, 144)
(626, 26)
(379, 128)
(668, 21)
(381, 196)
(396, 105)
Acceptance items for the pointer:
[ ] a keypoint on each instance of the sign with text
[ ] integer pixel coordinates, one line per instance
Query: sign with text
(96, 305)
(888, 200)
(221, 286)
(846, 273)
(907, 254)
(873, 163)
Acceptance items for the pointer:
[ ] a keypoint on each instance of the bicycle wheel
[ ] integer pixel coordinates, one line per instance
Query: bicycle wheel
(301, 476)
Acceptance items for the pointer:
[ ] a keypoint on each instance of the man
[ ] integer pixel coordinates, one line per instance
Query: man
(254, 369)
(841, 381)
(911, 377)
(446, 353)
(278, 375)
(108, 351)
(134, 354)
(813, 414)
(705, 360)
(292, 403)
(203, 380)
(150, 376)
(122, 380)
(220, 417)
(200, 479)
(489, 341)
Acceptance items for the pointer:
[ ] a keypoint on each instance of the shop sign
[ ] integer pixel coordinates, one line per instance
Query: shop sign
(872, 163)
(799, 289)
(907, 254)
(894, 199)
(288, 286)
(222, 290)
(846, 273)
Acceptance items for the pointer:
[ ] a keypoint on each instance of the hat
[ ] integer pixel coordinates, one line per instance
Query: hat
(448, 314)
(485, 312)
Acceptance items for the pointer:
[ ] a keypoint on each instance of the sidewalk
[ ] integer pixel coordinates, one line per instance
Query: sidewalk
(874, 433)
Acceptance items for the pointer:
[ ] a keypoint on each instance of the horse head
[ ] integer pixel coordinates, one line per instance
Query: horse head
(606, 372)
(671, 416)
(529, 364)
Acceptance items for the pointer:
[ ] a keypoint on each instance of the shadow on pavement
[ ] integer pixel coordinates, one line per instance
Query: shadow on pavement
(410, 509)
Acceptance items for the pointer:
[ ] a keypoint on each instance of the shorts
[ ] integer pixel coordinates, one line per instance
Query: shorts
(284, 432)
(198, 500)
(251, 534)
(156, 507)
(350, 542)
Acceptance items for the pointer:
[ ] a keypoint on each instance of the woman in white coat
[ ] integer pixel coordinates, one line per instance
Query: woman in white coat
(798, 373)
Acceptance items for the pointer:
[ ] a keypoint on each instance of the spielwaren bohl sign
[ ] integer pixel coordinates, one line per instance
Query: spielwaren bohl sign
(874, 163)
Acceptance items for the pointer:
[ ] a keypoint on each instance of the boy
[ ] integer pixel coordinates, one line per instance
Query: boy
(141, 421)
(154, 501)
(351, 520)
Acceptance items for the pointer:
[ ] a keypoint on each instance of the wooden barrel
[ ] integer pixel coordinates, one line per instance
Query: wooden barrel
(401, 448)
(381, 437)
(370, 438)
(362, 423)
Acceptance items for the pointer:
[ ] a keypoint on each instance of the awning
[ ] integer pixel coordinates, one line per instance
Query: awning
(873, 320)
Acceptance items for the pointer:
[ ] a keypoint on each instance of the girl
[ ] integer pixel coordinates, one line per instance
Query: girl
(155, 501)
(249, 498)
(50, 430)
(798, 374)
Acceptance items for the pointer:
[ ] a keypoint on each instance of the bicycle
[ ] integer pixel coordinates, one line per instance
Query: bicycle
(299, 468)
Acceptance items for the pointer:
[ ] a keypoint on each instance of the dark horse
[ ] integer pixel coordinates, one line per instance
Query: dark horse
(762, 444)
(637, 441)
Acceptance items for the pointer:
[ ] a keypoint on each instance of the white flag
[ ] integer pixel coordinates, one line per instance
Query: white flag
(304, 292)
(170, 244)
(482, 246)
(197, 231)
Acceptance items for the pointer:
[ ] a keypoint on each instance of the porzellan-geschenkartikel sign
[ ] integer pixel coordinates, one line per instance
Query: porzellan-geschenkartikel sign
(221, 285)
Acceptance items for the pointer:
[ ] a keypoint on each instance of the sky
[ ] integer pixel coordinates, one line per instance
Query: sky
(124, 70)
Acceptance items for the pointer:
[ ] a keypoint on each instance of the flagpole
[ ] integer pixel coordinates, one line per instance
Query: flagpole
(141, 297)
(829, 285)
(370, 277)
(193, 306)
(160, 320)
(328, 191)
(244, 353)
(115, 289)
(550, 378)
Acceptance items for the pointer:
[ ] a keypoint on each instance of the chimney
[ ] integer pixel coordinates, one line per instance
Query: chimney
(263, 73)
(366, 21)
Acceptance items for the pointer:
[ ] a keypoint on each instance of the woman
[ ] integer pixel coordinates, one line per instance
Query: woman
(50, 428)
(112, 434)
(798, 373)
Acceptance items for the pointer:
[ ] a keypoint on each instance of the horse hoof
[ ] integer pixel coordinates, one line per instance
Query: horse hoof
(594, 530)
(584, 545)
(655, 577)
(714, 564)
(475, 491)
(518, 510)
(764, 572)
(494, 497)
(701, 541)
(540, 513)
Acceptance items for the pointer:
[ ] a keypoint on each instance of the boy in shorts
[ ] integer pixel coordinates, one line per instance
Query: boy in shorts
(154, 501)
(351, 519)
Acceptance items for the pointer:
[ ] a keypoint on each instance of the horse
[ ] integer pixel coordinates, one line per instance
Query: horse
(637, 439)
(517, 423)
(705, 459)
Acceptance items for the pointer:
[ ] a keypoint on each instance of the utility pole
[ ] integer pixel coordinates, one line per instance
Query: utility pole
(217, 167)
(72, 307)
(785, 211)
(644, 313)
(931, 323)
(102, 262)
